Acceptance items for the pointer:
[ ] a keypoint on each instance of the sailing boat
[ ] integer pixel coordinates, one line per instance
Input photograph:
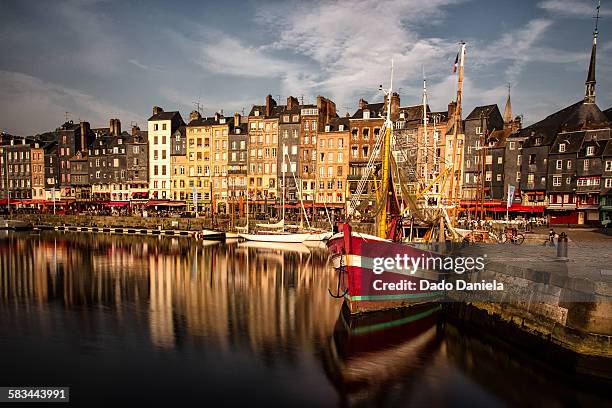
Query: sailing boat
(270, 232)
(365, 286)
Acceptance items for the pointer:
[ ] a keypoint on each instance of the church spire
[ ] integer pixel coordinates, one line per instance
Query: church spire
(589, 96)
(508, 110)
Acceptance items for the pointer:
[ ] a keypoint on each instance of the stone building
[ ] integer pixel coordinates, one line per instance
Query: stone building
(72, 138)
(199, 137)
(52, 186)
(605, 199)
(160, 126)
(289, 144)
(137, 165)
(366, 124)
(219, 162)
(18, 162)
(181, 190)
(37, 157)
(80, 185)
(238, 150)
(333, 164)
(478, 159)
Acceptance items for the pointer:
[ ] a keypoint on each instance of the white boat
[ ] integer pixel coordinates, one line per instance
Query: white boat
(288, 237)
(319, 236)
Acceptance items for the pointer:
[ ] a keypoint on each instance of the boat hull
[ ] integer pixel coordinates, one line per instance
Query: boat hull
(367, 286)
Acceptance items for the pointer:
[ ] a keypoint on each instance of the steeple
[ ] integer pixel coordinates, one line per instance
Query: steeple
(589, 96)
(508, 110)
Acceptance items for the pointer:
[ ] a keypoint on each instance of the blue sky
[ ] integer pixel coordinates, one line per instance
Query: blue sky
(103, 59)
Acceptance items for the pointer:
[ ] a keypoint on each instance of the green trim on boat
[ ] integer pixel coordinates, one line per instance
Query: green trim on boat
(395, 323)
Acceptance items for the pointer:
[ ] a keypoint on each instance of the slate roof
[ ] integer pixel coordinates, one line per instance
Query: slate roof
(376, 111)
(485, 110)
(608, 113)
(413, 113)
(599, 145)
(578, 116)
(501, 136)
(334, 124)
(572, 140)
(166, 116)
(608, 149)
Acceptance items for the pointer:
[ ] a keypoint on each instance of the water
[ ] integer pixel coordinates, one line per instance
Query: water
(158, 320)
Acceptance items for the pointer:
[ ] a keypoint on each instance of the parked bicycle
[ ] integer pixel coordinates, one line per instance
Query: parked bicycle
(512, 235)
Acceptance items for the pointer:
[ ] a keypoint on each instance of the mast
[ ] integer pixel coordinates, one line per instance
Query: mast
(456, 174)
(425, 141)
(283, 198)
(385, 181)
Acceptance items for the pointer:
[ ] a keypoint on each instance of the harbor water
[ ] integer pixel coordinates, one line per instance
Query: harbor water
(151, 320)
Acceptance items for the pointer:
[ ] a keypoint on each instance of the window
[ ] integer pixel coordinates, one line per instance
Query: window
(586, 164)
(499, 177)
(556, 181)
(164, 126)
(156, 127)
(608, 183)
(366, 114)
(488, 176)
(562, 148)
(511, 145)
(609, 165)
(518, 176)
(530, 178)
(559, 164)
(590, 150)
(519, 160)
(568, 180)
(500, 160)
(532, 159)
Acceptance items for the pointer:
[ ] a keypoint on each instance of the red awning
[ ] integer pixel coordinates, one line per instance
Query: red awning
(117, 204)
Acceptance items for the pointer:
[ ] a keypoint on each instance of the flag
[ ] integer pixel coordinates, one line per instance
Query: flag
(511, 189)
(456, 63)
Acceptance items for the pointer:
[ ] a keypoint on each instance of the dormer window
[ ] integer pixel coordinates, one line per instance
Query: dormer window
(402, 115)
(256, 113)
(366, 114)
(286, 118)
(562, 148)
(237, 131)
(590, 151)
(341, 128)
(327, 128)
(222, 121)
(538, 141)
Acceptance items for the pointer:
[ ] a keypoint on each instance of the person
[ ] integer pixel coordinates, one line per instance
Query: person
(551, 237)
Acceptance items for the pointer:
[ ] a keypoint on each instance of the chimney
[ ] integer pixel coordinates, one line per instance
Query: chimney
(451, 110)
(236, 119)
(362, 103)
(156, 110)
(270, 104)
(292, 102)
(194, 115)
(84, 135)
(395, 104)
(135, 130)
(217, 116)
(111, 127)
(117, 127)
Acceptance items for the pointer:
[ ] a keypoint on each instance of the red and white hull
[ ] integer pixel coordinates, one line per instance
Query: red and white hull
(354, 256)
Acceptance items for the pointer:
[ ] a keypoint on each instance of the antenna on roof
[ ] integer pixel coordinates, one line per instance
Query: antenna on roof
(199, 107)
(302, 98)
(67, 115)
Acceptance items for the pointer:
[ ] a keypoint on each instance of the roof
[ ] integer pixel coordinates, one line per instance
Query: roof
(501, 136)
(376, 111)
(166, 116)
(608, 113)
(484, 110)
(572, 141)
(413, 112)
(578, 116)
(608, 149)
(334, 124)
(599, 145)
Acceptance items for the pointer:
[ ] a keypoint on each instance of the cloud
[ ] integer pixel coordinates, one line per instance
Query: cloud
(573, 8)
(29, 104)
(143, 66)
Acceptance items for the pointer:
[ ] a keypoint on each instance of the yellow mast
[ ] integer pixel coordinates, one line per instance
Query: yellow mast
(455, 200)
(381, 230)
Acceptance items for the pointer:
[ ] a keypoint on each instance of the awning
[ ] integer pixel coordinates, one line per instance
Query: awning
(165, 203)
(117, 203)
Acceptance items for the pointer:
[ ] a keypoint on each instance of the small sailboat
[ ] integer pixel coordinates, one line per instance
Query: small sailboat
(278, 232)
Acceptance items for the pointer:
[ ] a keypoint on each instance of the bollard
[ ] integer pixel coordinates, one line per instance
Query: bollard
(562, 246)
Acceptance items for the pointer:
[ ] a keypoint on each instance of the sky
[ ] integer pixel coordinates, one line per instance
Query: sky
(102, 59)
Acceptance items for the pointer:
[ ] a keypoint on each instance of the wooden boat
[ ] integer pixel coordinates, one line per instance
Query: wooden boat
(355, 255)
(211, 235)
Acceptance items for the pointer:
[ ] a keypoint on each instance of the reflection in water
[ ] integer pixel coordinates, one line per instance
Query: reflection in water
(243, 322)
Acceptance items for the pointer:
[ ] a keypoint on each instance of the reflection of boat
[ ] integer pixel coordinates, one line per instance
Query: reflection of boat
(16, 225)
(281, 246)
(276, 237)
(367, 352)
